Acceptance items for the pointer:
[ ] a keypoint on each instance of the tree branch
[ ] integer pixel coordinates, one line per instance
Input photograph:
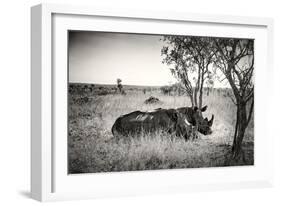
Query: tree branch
(250, 94)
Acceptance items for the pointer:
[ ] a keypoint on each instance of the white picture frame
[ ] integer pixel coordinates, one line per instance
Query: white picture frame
(49, 179)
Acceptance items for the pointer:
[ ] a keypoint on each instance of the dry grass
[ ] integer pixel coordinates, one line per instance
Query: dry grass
(92, 147)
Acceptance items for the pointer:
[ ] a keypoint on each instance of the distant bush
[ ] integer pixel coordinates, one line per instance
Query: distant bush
(81, 89)
(104, 92)
(174, 89)
(80, 100)
(166, 90)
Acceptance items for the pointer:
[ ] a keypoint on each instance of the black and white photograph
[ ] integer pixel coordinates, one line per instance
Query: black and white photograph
(149, 102)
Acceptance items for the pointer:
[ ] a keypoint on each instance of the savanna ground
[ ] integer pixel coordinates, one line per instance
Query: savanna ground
(92, 147)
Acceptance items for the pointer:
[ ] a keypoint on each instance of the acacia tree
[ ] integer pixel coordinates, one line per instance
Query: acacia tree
(190, 59)
(119, 85)
(235, 58)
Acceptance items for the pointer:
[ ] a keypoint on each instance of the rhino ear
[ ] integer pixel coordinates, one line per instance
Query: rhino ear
(203, 109)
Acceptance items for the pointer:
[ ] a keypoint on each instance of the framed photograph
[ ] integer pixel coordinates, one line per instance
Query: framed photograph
(137, 102)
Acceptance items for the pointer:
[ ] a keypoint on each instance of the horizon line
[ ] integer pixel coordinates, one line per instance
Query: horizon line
(137, 85)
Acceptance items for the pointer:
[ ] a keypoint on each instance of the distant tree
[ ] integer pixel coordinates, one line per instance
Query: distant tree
(178, 89)
(190, 59)
(166, 90)
(119, 85)
(235, 59)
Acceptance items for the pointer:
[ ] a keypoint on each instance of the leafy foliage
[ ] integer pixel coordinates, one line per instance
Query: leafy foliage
(235, 58)
(190, 59)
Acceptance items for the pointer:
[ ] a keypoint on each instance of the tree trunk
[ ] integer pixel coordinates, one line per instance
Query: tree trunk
(201, 89)
(241, 125)
(200, 95)
(191, 100)
(195, 97)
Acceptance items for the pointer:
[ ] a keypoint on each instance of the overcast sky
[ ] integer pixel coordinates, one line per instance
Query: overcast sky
(96, 57)
(101, 58)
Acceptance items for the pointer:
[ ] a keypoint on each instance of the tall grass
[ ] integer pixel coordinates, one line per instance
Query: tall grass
(92, 147)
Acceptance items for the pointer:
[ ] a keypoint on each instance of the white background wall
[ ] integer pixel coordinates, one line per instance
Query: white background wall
(15, 101)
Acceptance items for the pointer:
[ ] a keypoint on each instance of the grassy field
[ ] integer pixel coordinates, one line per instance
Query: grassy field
(92, 147)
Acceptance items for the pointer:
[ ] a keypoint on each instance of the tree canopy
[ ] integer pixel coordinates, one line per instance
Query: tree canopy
(194, 62)
(189, 59)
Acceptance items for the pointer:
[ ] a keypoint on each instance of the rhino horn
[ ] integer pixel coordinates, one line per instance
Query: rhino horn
(210, 122)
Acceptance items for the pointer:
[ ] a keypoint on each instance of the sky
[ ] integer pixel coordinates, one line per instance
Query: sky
(101, 58)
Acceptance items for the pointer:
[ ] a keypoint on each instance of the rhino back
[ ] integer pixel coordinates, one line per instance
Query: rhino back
(138, 121)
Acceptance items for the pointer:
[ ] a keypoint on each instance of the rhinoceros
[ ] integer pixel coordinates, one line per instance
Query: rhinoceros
(181, 121)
